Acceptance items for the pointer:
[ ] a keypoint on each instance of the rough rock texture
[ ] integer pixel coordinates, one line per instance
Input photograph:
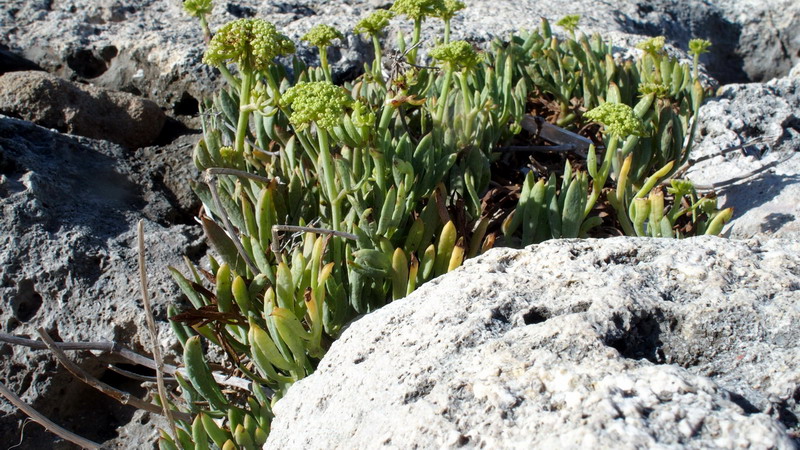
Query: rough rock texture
(765, 120)
(11, 62)
(619, 343)
(79, 109)
(68, 264)
(153, 49)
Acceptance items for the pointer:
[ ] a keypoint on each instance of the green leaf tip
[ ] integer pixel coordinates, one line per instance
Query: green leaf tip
(569, 22)
(374, 23)
(250, 43)
(198, 8)
(456, 53)
(653, 45)
(699, 46)
(322, 35)
(320, 102)
(418, 9)
(619, 119)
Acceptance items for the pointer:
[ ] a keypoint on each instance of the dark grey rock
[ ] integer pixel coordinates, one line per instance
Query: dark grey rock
(11, 62)
(68, 263)
(84, 110)
(617, 343)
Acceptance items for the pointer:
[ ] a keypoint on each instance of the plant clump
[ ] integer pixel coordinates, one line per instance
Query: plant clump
(326, 201)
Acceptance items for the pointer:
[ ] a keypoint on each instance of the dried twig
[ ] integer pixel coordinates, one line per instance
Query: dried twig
(239, 173)
(137, 376)
(118, 395)
(276, 247)
(45, 422)
(151, 324)
(131, 356)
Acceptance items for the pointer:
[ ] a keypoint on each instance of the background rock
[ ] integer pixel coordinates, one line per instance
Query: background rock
(570, 344)
(79, 109)
(68, 264)
(761, 180)
(151, 48)
(11, 62)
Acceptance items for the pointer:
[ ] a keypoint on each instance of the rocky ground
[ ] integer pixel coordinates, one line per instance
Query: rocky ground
(73, 187)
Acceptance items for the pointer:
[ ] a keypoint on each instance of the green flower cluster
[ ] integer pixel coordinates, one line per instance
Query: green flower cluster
(570, 22)
(699, 46)
(319, 101)
(198, 8)
(653, 45)
(619, 119)
(374, 23)
(250, 43)
(322, 35)
(456, 53)
(661, 90)
(419, 9)
(449, 9)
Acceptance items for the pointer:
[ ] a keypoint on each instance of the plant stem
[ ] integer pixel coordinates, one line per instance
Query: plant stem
(244, 116)
(330, 186)
(323, 61)
(376, 64)
(441, 103)
(462, 78)
(447, 31)
(412, 55)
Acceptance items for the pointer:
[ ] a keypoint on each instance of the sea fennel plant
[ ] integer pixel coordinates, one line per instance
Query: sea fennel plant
(322, 202)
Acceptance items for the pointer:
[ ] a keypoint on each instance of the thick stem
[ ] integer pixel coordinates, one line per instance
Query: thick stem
(244, 116)
(696, 62)
(465, 94)
(323, 61)
(330, 188)
(599, 182)
(378, 62)
(447, 31)
(206, 30)
(441, 103)
(412, 55)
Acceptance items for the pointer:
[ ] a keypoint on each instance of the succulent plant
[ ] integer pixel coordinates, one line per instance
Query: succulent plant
(323, 202)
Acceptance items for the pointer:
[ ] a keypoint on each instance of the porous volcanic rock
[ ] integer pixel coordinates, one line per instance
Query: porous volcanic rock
(80, 109)
(152, 48)
(757, 126)
(618, 343)
(68, 263)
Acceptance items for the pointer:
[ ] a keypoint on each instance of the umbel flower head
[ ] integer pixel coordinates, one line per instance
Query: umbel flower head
(699, 46)
(570, 22)
(320, 102)
(456, 53)
(374, 23)
(250, 43)
(653, 45)
(450, 8)
(418, 9)
(619, 119)
(198, 8)
(322, 35)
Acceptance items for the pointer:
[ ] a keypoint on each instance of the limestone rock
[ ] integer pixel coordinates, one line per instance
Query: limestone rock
(760, 177)
(84, 110)
(152, 48)
(618, 343)
(68, 263)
